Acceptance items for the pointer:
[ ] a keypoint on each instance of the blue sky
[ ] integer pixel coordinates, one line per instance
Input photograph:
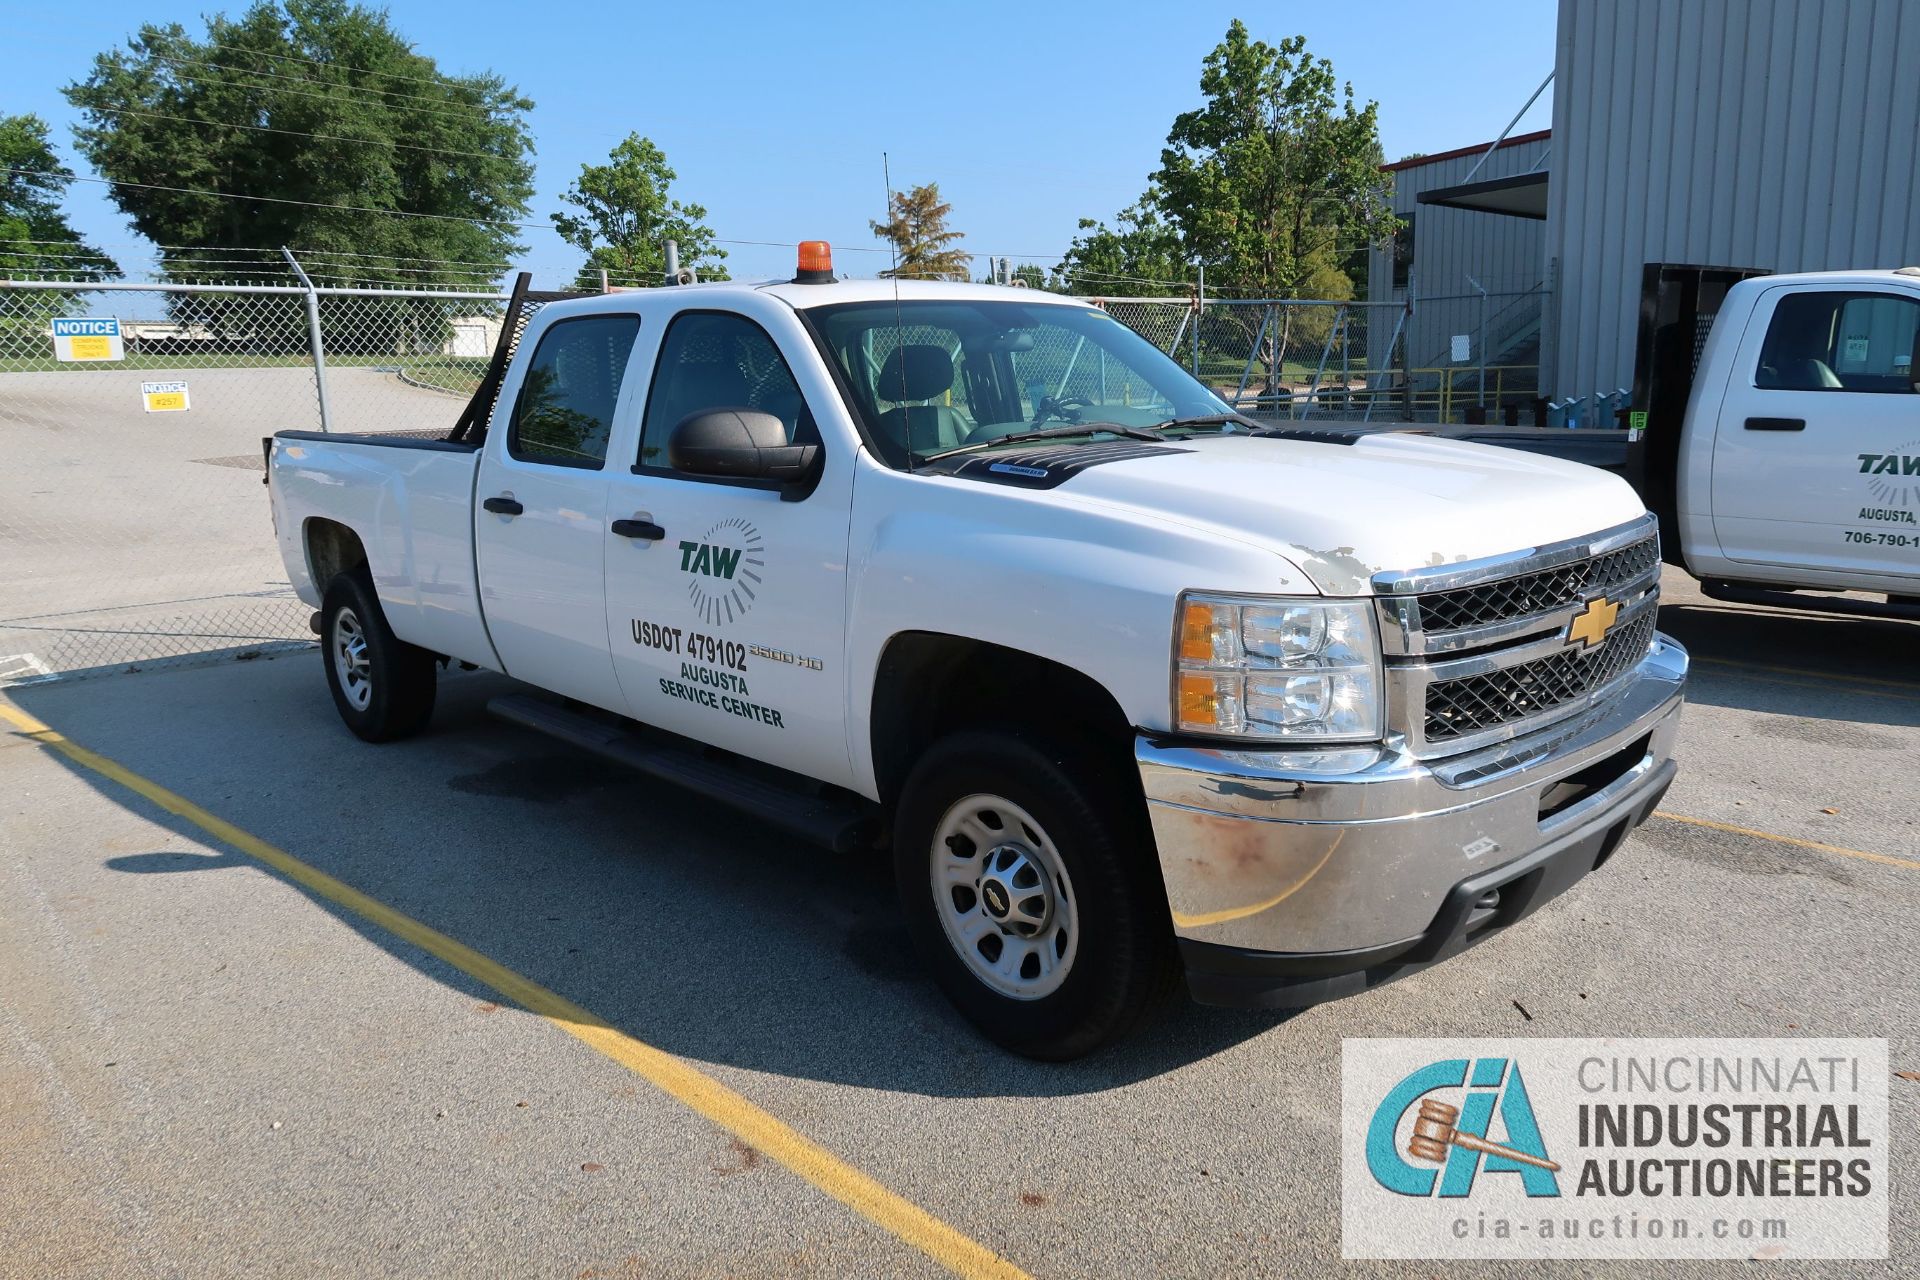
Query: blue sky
(1030, 116)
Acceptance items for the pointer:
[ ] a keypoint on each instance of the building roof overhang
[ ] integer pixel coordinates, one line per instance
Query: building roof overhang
(1522, 195)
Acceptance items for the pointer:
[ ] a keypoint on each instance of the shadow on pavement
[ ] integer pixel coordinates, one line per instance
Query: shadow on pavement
(1863, 670)
(695, 930)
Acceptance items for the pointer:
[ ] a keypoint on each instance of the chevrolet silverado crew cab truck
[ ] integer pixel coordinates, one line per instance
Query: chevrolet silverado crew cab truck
(1132, 687)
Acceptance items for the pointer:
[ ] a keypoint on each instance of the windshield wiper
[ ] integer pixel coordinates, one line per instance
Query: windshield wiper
(1051, 433)
(1210, 420)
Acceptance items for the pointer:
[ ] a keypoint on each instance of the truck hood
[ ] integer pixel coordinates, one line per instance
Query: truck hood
(1386, 502)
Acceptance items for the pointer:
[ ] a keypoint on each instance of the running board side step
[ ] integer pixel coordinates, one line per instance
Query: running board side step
(1905, 608)
(840, 825)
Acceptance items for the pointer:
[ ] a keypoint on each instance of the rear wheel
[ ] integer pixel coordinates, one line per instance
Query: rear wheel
(1029, 888)
(382, 686)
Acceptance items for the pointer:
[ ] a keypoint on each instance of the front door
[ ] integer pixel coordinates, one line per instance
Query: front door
(540, 530)
(726, 600)
(1816, 460)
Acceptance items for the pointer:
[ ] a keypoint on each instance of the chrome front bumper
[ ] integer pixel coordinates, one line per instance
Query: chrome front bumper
(1296, 876)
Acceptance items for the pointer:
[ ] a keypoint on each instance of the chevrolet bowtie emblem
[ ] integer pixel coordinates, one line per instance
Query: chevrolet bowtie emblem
(1591, 624)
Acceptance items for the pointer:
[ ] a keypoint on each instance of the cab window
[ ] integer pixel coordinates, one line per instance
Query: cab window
(564, 412)
(719, 360)
(1838, 341)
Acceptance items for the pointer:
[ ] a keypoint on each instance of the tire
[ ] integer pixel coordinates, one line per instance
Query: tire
(382, 686)
(1054, 939)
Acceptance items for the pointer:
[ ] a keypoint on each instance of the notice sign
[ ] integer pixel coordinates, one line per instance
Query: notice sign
(164, 397)
(87, 340)
(1534, 1149)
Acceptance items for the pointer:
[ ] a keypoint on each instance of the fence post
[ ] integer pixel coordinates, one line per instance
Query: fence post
(1199, 310)
(313, 338)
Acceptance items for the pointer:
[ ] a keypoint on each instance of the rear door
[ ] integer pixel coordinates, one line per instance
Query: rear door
(726, 599)
(540, 530)
(1816, 459)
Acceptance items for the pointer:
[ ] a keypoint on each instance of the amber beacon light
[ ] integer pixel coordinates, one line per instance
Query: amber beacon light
(816, 263)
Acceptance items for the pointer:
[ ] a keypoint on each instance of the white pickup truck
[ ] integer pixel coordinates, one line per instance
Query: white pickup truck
(1776, 433)
(1132, 685)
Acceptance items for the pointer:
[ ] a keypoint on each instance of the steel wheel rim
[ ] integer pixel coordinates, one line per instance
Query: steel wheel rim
(348, 645)
(1003, 896)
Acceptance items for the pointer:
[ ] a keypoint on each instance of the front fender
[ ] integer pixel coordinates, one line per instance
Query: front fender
(1086, 585)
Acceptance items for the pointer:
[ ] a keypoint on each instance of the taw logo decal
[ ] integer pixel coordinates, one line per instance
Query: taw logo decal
(723, 570)
(1449, 1146)
(1894, 481)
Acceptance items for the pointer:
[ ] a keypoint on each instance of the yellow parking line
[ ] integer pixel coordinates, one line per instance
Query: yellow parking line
(1887, 858)
(701, 1092)
(1874, 684)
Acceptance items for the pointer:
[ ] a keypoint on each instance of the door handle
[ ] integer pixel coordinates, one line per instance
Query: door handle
(646, 530)
(503, 506)
(1776, 424)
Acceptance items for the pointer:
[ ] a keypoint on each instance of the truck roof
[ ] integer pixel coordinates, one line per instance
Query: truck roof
(1856, 275)
(802, 296)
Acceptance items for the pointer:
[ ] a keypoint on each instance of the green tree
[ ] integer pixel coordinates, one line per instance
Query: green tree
(923, 246)
(1276, 175)
(1034, 276)
(1141, 256)
(627, 216)
(310, 104)
(35, 238)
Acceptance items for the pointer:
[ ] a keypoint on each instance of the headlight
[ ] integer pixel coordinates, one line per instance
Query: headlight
(1254, 668)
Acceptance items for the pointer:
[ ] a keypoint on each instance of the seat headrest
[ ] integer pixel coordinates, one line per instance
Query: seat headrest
(915, 373)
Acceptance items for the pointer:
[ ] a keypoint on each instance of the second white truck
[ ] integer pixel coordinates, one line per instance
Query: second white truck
(1132, 687)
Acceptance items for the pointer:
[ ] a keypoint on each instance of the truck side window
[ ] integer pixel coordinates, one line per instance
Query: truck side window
(719, 360)
(1835, 341)
(564, 412)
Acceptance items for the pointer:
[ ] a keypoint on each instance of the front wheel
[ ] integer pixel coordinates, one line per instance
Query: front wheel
(1030, 890)
(382, 686)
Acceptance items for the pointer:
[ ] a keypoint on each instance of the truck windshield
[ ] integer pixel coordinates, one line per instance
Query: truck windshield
(934, 375)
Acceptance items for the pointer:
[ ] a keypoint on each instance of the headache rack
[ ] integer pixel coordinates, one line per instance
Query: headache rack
(522, 303)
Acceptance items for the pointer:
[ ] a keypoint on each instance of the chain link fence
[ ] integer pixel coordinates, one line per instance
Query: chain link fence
(1281, 360)
(134, 530)
(134, 527)
(1288, 360)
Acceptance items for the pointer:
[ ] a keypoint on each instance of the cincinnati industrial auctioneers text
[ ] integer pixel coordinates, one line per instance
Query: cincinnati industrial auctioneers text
(1614, 1148)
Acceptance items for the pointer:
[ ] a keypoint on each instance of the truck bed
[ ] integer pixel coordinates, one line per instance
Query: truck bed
(410, 501)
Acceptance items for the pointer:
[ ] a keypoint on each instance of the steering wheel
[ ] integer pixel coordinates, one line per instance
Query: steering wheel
(1066, 408)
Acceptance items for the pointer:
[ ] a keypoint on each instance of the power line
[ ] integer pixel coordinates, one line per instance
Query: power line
(301, 133)
(178, 59)
(326, 97)
(321, 62)
(312, 204)
(264, 53)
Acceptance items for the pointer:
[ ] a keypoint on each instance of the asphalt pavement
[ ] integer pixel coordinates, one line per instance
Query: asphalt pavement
(211, 1068)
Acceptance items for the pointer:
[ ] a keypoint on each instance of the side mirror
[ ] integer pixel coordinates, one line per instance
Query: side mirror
(742, 444)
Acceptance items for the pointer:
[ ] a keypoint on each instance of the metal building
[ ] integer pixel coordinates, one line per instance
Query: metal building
(1475, 276)
(1774, 134)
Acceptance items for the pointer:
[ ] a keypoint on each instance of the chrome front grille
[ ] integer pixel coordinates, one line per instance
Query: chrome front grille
(1470, 705)
(1485, 651)
(1531, 593)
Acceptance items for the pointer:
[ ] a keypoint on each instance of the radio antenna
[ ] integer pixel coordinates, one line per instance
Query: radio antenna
(899, 320)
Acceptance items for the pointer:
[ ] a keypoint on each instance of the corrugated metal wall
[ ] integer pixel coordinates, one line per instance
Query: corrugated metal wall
(1782, 134)
(1507, 255)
